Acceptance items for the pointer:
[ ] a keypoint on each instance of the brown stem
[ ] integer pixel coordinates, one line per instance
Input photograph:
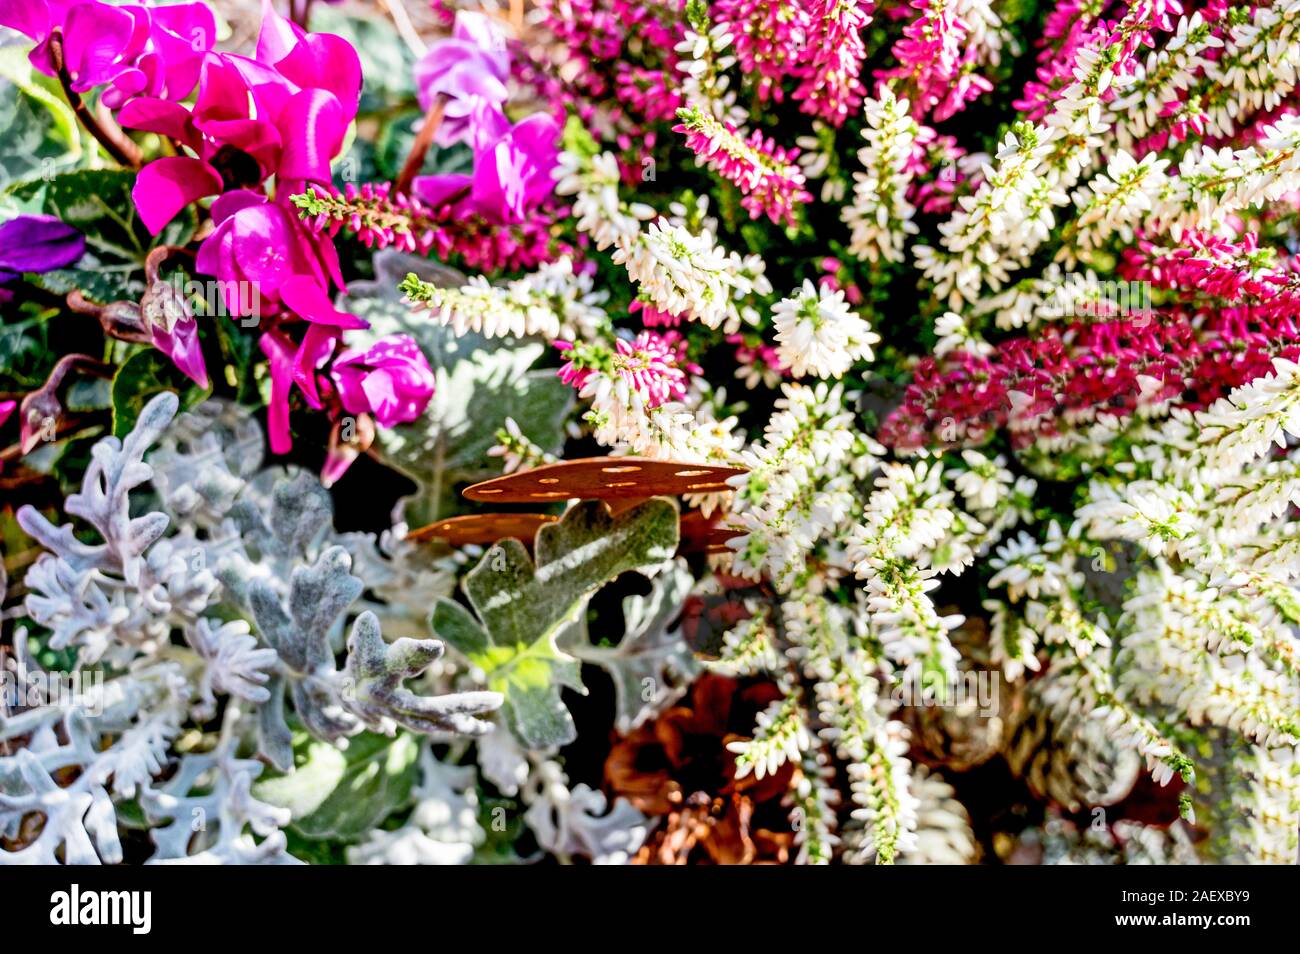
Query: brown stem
(159, 254)
(43, 404)
(119, 319)
(114, 141)
(300, 12)
(420, 148)
(66, 426)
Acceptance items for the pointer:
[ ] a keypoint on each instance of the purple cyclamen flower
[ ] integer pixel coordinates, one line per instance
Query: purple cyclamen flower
(37, 243)
(391, 380)
(469, 68)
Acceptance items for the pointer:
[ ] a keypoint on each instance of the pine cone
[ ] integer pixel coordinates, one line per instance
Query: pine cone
(966, 731)
(1073, 762)
(679, 769)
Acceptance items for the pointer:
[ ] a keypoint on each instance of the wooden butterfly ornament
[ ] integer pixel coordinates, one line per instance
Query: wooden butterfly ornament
(604, 478)
(620, 481)
(484, 528)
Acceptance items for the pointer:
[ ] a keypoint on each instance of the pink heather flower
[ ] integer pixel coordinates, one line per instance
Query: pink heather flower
(375, 215)
(380, 218)
(1233, 313)
(134, 50)
(935, 60)
(769, 37)
(935, 172)
(598, 38)
(759, 361)
(831, 86)
(283, 114)
(766, 174)
(833, 279)
(651, 93)
(391, 380)
(469, 69)
(652, 317)
(653, 364)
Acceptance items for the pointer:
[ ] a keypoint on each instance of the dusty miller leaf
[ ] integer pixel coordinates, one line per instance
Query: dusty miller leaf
(522, 609)
(480, 382)
(652, 665)
(343, 794)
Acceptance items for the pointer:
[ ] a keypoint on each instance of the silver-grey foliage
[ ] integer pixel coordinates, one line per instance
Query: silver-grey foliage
(235, 604)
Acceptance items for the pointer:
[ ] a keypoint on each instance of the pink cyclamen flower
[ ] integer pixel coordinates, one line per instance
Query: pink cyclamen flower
(469, 69)
(257, 247)
(391, 380)
(133, 49)
(279, 352)
(283, 114)
(513, 169)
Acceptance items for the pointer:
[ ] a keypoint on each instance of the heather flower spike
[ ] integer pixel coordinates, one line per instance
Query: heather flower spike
(900, 403)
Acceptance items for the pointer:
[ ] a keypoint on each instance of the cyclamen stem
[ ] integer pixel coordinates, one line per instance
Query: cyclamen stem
(300, 12)
(115, 142)
(420, 148)
(119, 319)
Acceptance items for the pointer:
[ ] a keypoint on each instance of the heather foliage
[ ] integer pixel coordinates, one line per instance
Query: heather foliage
(364, 373)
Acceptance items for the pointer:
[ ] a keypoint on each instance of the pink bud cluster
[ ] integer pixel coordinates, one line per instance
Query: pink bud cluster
(653, 364)
(766, 174)
(936, 62)
(594, 36)
(1233, 313)
(831, 86)
(379, 217)
(769, 39)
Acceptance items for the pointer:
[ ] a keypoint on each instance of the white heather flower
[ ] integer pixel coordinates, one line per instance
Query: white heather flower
(1012, 641)
(880, 215)
(1112, 203)
(553, 302)
(1025, 569)
(703, 63)
(780, 735)
(684, 273)
(1152, 514)
(1242, 426)
(593, 182)
(955, 335)
(985, 483)
(881, 785)
(818, 332)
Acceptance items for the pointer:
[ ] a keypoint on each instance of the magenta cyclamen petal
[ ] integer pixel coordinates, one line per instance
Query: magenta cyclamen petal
(167, 185)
